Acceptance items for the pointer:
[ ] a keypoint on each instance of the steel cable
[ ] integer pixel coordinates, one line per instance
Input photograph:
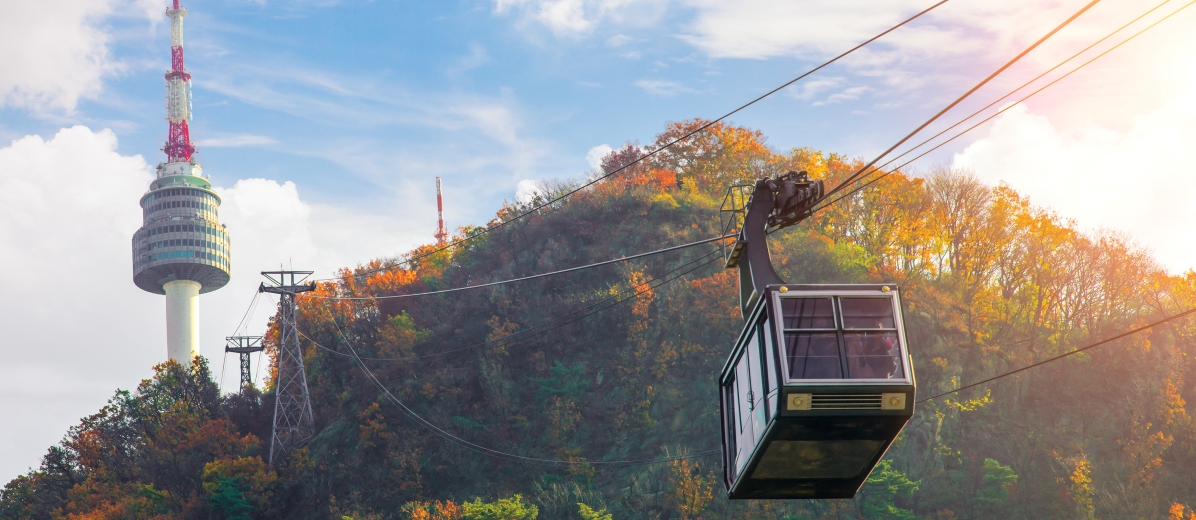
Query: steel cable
(1061, 356)
(531, 277)
(1008, 107)
(960, 99)
(651, 152)
(532, 331)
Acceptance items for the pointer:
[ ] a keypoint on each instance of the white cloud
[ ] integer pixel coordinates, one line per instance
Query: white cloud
(663, 88)
(619, 40)
(809, 88)
(951, 45)
(595, 155)
(1138, 179)
(580, 17)
(236, 141)
(477, 57)
(361, 101)
(77, 326)
(847, 94)
(757, 29)
(56, 53)
(526, 191)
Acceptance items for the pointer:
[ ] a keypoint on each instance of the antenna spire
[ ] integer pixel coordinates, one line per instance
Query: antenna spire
(441, 233)
(178, 92)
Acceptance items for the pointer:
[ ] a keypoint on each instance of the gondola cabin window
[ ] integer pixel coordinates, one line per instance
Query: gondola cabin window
(841, 337)
(747, 394)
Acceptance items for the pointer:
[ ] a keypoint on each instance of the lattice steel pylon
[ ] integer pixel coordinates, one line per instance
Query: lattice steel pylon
(244, 346)
(293, 422)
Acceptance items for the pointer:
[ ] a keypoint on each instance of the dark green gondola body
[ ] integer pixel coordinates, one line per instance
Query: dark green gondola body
(818, 386)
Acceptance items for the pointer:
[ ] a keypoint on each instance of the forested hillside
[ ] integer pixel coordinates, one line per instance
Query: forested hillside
(619, 363)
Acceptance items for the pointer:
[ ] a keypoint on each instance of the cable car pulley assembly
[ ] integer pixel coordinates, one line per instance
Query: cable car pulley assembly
(820, 381)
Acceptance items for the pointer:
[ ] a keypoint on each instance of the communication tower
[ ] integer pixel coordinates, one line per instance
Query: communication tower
(181, 250)
(441, 233)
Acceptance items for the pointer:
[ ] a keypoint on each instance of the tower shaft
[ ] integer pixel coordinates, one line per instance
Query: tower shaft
(293, 421)
(182, 320)
(441, 233)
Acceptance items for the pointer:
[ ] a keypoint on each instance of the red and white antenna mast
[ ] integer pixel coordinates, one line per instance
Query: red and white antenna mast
(441, 233)
(178, 92)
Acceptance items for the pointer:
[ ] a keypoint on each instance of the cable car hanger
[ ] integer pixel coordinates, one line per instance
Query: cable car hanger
(819, 383)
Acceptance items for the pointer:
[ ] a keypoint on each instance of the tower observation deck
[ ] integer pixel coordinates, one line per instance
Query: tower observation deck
(181, 250)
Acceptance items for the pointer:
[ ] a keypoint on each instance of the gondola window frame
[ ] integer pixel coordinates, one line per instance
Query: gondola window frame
(781, 346)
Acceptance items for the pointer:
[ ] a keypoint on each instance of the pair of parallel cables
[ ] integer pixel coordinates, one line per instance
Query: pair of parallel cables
(859, 175)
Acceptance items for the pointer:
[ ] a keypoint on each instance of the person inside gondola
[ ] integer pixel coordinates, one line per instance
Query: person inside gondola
(874, 355)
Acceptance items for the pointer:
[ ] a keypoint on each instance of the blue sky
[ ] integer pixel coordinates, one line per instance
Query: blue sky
(323, 124)
(357, 100)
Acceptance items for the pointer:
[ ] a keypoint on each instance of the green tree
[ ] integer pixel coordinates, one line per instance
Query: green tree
(227, 497)
(884, 487)
(510, 508)
(998, 480)
(588, 513)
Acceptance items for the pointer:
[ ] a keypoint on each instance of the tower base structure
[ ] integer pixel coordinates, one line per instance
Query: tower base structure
(182, 320)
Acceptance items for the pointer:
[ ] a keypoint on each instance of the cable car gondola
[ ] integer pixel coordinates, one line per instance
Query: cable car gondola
(820, 381)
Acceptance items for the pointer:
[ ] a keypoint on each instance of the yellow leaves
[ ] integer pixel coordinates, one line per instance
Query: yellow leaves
(373, 427)
(1141, 341)
(973, 404)
(1142, 453)
(499, 328)
(562, 417)
(1174, 413)
(580, 472)
(646, 294)
(1176, 512)
(665, 201)
(690, 489)
(1081, 488)
(398, 335)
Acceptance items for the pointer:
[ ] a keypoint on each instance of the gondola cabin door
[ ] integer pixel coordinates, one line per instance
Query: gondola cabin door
(818, 386)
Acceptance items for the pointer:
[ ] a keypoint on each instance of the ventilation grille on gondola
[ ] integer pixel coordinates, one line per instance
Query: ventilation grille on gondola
(845, 402)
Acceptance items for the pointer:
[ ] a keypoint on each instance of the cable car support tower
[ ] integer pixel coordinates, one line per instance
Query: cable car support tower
(243, 346)
(293, 421)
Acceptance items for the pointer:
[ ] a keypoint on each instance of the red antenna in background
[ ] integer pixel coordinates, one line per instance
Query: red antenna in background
(178, 92)
(441, 233)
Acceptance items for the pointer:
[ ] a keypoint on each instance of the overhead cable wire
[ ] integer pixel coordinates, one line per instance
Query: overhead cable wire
(1024, 85)
(561, 321)
(654, 151)
(1004, 109)
(222, 365)
(866, 167)
(248, 314)
(659, 281)
(477, 448)
(531, 277)
(1061, 356)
